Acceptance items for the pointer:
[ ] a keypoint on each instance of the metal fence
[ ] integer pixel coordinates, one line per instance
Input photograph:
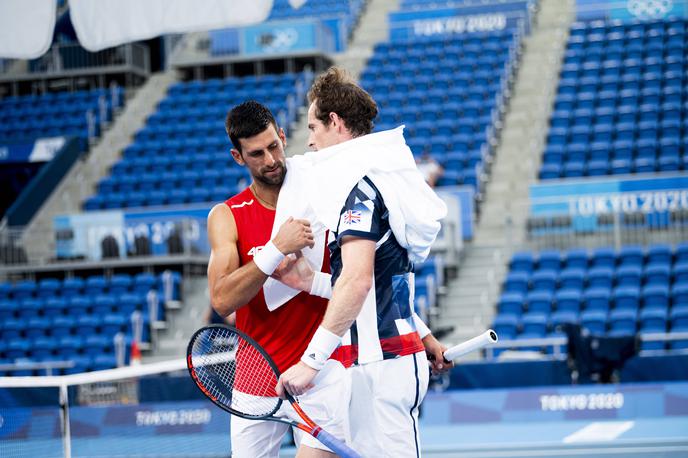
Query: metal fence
(72, 59)
(614, 229)
(23, 249)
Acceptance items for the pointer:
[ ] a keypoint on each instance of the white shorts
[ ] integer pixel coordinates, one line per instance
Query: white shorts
(327, 404)
(385, 396)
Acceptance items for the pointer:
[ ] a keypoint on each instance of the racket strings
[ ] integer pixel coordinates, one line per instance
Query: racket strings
(233, 372)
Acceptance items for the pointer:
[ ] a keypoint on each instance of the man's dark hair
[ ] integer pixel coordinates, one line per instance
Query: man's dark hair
(247, 120)
(336, 92)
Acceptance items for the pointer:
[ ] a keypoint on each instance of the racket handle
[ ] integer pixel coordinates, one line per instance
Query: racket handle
(337, 446)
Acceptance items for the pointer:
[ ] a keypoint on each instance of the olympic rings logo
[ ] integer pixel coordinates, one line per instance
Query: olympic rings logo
(650, 9)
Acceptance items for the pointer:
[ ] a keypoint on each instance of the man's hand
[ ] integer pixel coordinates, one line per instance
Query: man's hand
(296, 380)
(295, 272)
(293, 235)
(435, 351)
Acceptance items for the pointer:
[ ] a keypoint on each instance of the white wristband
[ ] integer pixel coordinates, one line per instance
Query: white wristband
(322, 285)
(320, 349)
(268, 258)
(422, 328)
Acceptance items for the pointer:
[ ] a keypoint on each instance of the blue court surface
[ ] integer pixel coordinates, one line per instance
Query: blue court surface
(629, 420)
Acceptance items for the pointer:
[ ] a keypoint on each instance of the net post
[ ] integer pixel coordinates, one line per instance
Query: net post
(64, 411)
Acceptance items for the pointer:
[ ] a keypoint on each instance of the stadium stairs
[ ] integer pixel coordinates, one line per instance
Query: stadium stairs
(80, 182)
(469, 303)
(170, 342)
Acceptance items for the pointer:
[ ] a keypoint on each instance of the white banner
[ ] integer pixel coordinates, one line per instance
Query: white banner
(26, 28)
(105, 23)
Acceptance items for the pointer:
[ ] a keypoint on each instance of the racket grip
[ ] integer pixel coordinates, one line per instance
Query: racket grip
(337, 446)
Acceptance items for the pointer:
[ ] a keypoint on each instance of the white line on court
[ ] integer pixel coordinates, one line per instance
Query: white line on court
(599, 431)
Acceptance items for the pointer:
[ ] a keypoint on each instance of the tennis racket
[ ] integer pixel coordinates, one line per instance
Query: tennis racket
(234, 372)
(486, 338)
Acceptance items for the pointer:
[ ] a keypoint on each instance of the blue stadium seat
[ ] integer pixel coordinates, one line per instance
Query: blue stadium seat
(24, 289)
(679, 295)
(79, 306)
(549, 260)
(43, 348)
(576, 258)
(679, 316)
(82, 363)
(31, 308)
(655, 296)
(601, 277)
(114, 323)
(539, 301)
(653, 320)
(72, 286)
(95, 284)
(629, 275)
(534, 323)
(97, 344)
(597, 299)
(516, 282)
(623, 322)
(523, 262)
(595, 321)
(626, 297)
(12, 328)
(103, 304)
(37, 327)
(572, 278)
(657, 273)
(70, 346)
(680, 272)
(603, 257)
(144, 282)
(18, 349)
(560, 317)
(506, 326)
(544, 280)
(88, 325)
(568, 300)
(48, 287)
(9, 309)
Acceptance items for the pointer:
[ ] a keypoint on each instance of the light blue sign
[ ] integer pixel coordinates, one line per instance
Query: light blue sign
(406, 25)
(630, 10)
(591, 197)
(133, 233)
(280, 37)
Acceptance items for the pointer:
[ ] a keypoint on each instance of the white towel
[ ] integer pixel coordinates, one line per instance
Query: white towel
(318, 183)
(293, 201)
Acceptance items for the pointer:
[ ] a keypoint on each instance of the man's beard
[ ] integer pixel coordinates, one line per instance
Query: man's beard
(273, 181)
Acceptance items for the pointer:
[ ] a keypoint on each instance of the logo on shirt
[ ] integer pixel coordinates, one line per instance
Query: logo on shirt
(352, 217)
(255, 250)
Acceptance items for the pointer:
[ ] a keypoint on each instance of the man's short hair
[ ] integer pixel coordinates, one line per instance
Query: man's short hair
(336, 92)
(247, 120)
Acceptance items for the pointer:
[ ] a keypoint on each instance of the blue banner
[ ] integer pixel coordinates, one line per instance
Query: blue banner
(280, 37)
(406, 25)
(592, 197)
(630, 10)
(95, 235)
(41, 150)
(589, 402)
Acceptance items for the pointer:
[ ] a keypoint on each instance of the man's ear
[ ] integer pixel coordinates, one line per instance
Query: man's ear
(238, 158)
(336, 121)
(282, 137)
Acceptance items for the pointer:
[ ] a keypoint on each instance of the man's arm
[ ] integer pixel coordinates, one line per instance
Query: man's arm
(350, 291)
(231, 285)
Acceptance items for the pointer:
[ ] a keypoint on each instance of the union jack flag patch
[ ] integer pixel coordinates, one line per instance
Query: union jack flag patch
(352, 217)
